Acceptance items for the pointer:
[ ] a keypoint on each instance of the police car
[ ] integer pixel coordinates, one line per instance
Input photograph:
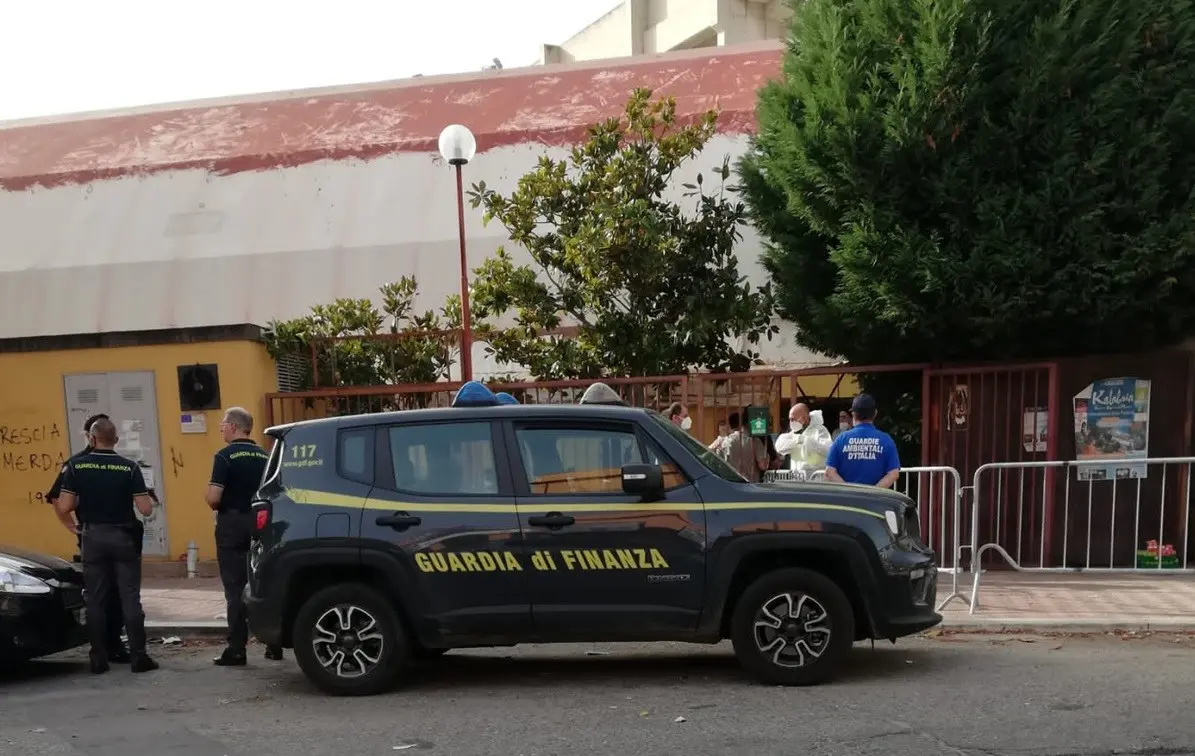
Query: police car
(384, 539)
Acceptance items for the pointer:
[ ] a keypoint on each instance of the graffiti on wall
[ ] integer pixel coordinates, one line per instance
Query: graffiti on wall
(30, 457)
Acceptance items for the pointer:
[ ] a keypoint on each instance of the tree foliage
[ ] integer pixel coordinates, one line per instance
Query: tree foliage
(981, 179)
(358, 344)
(652, 288)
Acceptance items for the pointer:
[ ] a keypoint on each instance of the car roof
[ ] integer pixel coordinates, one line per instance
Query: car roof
(452, 414)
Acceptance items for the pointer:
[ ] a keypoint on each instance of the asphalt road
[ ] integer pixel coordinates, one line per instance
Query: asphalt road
(954, 695)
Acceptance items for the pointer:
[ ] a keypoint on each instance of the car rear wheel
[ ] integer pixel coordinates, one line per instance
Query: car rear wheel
(349, 641)
(793, 627)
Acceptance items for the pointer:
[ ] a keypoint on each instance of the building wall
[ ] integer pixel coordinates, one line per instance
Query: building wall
(34, 433)
(190, 248)
(647, 27)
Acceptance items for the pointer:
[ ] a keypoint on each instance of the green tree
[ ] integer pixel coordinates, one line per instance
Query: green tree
(652, 288)
(980, 179)
(358, 344)
(963, 179)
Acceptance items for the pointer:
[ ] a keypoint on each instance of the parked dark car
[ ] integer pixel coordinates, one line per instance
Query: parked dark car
(387, 538)
(41, 605)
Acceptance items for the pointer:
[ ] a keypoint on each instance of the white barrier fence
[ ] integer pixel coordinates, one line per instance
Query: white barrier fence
(1154, 504)
(793, 476)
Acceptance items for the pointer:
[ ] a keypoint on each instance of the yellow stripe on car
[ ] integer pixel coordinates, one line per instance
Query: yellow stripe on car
(329, 499)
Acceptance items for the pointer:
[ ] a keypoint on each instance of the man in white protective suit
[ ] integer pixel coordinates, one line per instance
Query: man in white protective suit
(786, 443)
(807, 450)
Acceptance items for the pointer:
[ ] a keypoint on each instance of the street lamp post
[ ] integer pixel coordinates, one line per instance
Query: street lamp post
(458, 146)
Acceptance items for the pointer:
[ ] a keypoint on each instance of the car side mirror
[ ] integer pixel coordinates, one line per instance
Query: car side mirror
(645, 481)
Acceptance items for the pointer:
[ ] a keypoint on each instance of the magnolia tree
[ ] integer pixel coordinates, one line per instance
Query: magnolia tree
(645, 285)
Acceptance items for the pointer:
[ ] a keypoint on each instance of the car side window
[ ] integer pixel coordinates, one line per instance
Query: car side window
(444, 459)
(673, 477)
(354, 454)
(577, 460)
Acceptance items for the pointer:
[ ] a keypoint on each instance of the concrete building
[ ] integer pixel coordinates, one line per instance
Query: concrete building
(648, 27)
(140, 244)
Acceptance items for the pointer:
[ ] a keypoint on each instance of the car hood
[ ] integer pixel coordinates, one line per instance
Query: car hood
(42, 565)
(878, 500)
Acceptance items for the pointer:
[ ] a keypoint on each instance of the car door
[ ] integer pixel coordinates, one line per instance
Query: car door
(443, 505)
(604, 563)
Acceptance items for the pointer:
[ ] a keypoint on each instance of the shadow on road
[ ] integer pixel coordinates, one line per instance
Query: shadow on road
(39, 670)
(461, 670)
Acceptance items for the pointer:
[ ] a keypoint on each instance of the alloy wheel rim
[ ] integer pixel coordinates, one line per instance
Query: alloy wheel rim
(792, 630)
(348, 641)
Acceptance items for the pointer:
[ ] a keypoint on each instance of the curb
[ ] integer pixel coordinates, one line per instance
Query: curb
(1057, 624)
(185, 629)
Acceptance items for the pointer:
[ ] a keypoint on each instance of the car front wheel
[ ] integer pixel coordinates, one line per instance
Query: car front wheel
(349, 641)
(793, 627)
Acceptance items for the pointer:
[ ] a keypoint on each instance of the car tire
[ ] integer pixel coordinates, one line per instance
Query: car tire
(792, 653)
(373, 651)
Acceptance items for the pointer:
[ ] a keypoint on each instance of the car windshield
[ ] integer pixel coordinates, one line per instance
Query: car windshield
(707, 458)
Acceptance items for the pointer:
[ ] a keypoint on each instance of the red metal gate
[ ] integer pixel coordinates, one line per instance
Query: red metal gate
(1003, 413)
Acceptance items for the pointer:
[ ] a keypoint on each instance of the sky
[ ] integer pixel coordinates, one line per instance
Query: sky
(69, 56)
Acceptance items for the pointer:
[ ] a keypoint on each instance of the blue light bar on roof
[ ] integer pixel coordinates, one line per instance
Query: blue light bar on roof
(475, 394)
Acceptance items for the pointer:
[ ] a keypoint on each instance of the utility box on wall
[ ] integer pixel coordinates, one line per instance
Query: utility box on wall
(198, 387)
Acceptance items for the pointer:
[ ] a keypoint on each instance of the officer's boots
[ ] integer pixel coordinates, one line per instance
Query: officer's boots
(232, 657)
(142, 663)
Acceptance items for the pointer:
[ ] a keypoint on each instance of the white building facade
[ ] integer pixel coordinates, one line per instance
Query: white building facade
(244, 211)
(649, 27)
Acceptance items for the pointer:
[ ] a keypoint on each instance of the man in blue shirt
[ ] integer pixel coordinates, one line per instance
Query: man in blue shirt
(863, 454)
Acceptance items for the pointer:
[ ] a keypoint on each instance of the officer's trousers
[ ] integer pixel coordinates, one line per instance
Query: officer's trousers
(115, 619)
(234, 533)
(112, 563)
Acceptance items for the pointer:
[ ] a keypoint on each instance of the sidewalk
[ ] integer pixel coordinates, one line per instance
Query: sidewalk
(1074, 600)
(1070, 601)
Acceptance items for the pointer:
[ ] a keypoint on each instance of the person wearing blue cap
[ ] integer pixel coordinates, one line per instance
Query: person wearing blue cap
(864, 454)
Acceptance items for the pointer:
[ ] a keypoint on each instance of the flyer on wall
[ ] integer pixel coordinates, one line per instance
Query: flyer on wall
(1034, 433)
(1112, 425)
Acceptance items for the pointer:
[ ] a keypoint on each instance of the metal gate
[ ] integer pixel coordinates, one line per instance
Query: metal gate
(972, 416)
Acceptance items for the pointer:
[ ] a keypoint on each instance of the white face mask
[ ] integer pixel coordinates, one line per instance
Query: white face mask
(796, 425)
(686, 424)
(844, 426)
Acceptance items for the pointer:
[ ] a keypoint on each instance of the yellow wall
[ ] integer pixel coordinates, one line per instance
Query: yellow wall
(33, 421)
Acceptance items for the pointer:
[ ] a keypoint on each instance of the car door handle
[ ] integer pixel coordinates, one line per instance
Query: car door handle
(552, 520)
(398, 521)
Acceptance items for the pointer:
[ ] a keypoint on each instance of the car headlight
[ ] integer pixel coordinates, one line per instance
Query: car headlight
(893, 521)
(13, 580)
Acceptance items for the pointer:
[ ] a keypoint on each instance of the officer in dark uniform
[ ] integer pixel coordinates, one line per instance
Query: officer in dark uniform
(236, 476)
(102, 488)
(115, 646)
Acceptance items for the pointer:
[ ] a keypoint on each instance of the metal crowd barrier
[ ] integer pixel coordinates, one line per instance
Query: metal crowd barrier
(938, 492)
(1166, 478)
(792, 476)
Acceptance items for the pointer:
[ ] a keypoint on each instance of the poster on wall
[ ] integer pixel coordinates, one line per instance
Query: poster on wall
(1112, 425)
(1033, 430)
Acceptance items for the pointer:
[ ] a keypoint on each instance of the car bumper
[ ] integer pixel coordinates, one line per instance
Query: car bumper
(265, 618)
(910, 594)
(36, 626)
